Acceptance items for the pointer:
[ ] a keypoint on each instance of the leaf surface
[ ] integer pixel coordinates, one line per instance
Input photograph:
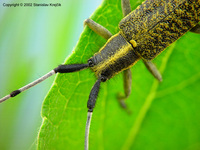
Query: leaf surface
(164, 115)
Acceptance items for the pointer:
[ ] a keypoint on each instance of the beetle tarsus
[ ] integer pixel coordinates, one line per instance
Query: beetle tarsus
(121, 99)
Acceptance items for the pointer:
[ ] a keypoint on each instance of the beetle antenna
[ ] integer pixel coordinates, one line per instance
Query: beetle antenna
(16, 92)
(87, 130)
(90, 105)
(60, 69)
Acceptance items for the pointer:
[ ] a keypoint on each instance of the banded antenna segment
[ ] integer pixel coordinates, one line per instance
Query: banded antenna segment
(60, 69)
(26, 87)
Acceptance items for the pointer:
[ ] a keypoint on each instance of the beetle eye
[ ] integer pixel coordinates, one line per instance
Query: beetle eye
(103, 78)
(90, 63)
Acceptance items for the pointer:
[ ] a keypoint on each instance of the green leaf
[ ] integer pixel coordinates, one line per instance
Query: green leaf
(164, 115)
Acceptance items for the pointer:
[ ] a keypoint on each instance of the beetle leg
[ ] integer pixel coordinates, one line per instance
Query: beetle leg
(126, 7)
(153, 70)
(99, 29)
(127, 77)
(196, 29)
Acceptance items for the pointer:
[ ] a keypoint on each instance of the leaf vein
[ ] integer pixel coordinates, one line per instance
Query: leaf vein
(147, 104)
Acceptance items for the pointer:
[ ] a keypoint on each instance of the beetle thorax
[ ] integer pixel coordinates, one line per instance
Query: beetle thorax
(115, 56)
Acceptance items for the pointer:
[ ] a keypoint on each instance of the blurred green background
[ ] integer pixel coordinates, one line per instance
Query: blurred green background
(33, 40)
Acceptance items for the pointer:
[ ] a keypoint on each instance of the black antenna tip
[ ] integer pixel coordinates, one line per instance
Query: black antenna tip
(14, 93)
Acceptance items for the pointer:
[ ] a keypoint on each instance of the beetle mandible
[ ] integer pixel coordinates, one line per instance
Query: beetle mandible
(144, 33)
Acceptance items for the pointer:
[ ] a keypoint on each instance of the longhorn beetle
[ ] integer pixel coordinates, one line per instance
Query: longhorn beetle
(144, 33)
